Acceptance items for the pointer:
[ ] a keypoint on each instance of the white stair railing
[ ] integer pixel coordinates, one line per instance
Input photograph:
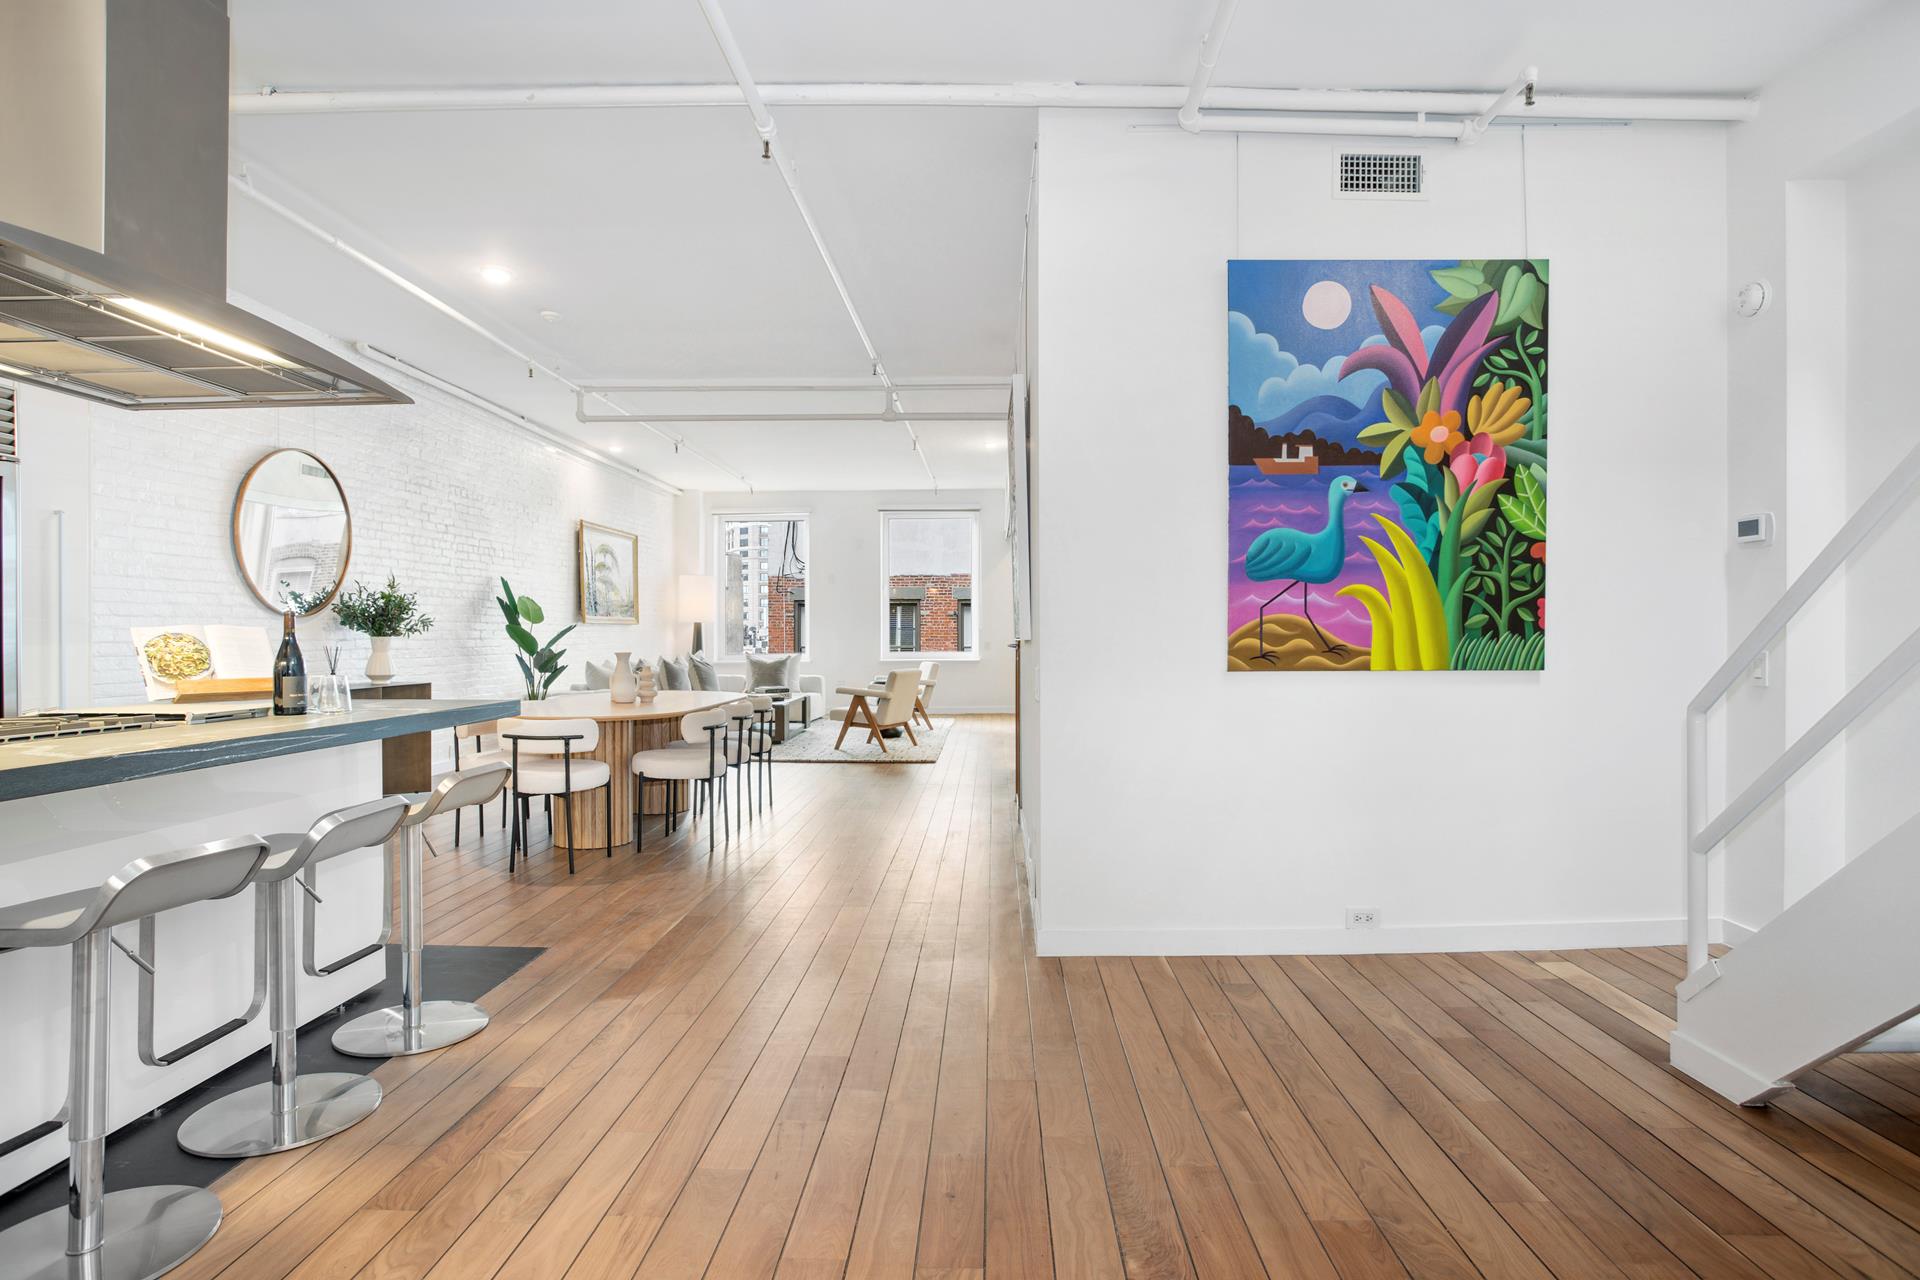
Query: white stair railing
(1705, 834)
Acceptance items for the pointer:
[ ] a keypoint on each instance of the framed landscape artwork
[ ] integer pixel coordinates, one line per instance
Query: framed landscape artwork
(1387, 465)
(609, 574)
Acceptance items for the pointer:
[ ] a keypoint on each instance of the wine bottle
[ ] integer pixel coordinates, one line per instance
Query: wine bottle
(289, 675)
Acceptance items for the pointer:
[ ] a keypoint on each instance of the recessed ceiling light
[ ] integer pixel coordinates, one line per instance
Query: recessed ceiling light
(496, 275)
(613, 448)
(550, 315)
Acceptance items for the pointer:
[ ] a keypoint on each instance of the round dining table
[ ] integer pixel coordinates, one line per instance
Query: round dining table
(625, 727)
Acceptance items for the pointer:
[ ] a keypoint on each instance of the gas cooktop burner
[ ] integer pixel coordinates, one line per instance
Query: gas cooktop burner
(69, 724)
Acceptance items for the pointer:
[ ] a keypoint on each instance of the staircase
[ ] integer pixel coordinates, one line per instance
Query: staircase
(1839, 970)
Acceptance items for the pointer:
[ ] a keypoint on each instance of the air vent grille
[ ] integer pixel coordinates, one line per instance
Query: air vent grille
(1373, 173)
(8, 442)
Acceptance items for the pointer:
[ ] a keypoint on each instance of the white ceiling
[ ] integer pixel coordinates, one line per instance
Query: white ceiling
(671, 250)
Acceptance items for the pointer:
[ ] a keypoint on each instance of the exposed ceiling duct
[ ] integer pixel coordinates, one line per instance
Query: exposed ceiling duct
(113, 217)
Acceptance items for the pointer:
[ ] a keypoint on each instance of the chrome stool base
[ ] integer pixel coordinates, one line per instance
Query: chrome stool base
(242, 1124)
(384, 1033)
(149, 1232)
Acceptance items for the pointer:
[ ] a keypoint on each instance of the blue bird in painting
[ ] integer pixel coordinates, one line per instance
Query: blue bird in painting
(1303, 558)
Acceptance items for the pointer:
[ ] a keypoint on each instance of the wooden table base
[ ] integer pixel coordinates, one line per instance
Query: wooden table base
(619, 739)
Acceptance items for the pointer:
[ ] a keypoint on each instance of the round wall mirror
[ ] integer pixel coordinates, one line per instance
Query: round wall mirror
(292, 532)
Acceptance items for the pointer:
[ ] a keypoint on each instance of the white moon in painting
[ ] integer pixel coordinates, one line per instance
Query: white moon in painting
(1327, 305)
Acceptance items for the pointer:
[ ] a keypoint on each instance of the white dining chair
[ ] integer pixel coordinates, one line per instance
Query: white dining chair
(476, 755)
(701, 756)
(541, 754)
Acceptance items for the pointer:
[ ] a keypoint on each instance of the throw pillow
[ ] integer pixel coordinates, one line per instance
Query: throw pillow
(704, 676)
(673, 675)
(599, 676)
(767, 672)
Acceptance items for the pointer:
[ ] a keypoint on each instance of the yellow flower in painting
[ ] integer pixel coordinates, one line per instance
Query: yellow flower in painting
(1437, 434)
(1497, 412)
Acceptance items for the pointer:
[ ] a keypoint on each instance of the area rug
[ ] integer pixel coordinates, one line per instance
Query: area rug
(815, 745)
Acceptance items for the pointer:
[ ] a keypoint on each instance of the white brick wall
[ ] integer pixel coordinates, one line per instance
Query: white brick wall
(443, 495)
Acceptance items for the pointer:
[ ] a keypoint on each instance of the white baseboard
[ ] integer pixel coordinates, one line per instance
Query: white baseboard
(1574, 934)
(1731, 932)
(1026, 853)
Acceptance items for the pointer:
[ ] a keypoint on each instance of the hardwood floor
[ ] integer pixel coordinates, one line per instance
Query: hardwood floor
(827, 1049)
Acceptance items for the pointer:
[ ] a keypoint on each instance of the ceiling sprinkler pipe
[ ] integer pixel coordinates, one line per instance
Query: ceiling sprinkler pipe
(1210, 45)
(1521, 89)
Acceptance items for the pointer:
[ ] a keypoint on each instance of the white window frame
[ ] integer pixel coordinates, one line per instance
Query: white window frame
(721, 519)
(887, 651)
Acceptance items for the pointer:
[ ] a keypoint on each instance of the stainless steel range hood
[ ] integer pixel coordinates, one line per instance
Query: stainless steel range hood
(113, 217)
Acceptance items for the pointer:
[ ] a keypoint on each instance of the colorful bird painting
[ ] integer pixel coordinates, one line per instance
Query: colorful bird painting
(1304, 559)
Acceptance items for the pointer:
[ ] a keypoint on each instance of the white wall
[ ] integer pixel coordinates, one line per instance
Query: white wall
(847, 586)
(445, 496)
(1883, 606)
(1830, 134)
(1191, 810)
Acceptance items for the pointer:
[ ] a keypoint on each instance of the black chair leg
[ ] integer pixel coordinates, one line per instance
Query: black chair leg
(640, 813)
(513, 841)
(456, 828)
(609, 817)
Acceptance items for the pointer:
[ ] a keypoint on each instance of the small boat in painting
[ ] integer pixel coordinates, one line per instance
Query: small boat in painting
(1294, 460)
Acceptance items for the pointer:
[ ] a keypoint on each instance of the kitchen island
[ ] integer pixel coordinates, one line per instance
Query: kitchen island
(73, 810)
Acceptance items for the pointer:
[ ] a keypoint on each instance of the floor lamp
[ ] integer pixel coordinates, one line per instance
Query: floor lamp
(696, 604)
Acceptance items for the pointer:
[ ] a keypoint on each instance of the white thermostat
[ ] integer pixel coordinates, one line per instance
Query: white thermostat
(1754, 528)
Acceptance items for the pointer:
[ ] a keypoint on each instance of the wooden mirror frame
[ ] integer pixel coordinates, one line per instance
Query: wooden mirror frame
(346, 550)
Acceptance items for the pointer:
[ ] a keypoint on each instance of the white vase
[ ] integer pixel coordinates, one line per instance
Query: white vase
(380, 661)
(620, 684)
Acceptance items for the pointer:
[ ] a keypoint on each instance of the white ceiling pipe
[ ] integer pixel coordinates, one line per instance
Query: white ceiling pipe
(1522, 87)
(957, 383)
(1210, 46)
(851, 415)
(774, 150)
(1333, 125)
(246, 187)
(1113, 96)
(531, 426)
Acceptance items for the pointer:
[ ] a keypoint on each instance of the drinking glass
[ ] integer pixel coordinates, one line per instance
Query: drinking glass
(331, 695)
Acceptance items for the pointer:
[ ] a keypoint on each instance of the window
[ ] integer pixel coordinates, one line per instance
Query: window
(930, 572)
(763, 584)
(903, 626)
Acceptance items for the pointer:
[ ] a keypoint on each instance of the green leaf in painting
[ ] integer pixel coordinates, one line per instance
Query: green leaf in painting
(1461, 282)
(1380, 431)
(1395, 406)
(1539, 266)
(1390, 460)
(1526, 507)
(1429, 400)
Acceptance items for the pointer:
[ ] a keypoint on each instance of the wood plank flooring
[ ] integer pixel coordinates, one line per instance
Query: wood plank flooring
(827, 1049)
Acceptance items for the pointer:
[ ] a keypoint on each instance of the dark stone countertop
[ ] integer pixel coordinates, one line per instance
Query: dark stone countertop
(91, 760)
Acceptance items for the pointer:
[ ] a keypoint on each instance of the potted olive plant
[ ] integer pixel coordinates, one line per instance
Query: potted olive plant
(539, 663)
(380, 616)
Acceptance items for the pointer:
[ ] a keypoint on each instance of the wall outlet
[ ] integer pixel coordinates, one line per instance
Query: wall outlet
(1363, 917)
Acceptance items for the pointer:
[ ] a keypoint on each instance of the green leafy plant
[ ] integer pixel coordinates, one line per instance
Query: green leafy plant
(539, 663)
(386, 612)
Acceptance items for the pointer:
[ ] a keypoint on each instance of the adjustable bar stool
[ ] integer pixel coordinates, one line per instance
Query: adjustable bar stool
(416, 1024)
(143, 1231)
(292, 1110)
